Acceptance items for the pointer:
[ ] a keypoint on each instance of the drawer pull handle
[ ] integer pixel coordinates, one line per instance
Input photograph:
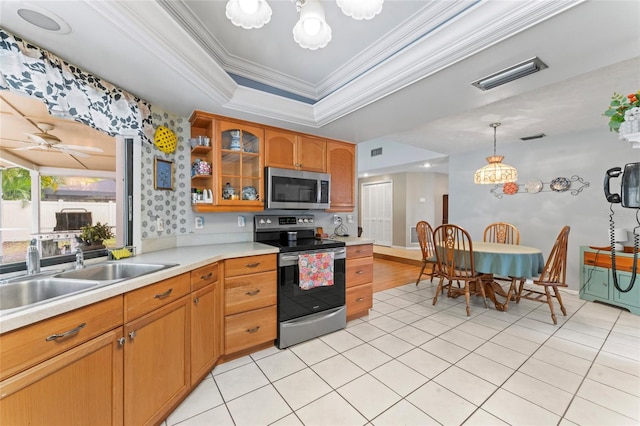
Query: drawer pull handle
(253, 330)
(252, 265)
(360, 272)
(54, 337)
(163, 295)
(206, 277)
(253, 292)
(360, 299)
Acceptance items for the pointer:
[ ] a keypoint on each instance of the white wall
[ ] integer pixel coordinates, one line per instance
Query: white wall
(541, 216)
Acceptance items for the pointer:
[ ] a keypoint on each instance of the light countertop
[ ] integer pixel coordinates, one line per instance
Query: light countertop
(187, 258)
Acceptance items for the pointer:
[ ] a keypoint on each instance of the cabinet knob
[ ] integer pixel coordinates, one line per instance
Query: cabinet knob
(132, 335)
(121, 341)
(196, 300)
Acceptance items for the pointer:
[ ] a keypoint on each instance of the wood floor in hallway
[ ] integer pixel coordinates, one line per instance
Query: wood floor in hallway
(389, 274)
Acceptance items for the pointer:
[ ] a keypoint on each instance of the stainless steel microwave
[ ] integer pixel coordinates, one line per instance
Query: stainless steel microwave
(296, 189)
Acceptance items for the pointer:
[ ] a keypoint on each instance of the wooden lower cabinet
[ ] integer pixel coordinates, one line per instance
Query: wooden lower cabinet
(250, 298)
(359, 278)
(82, 386)
(156, 363)
(206, 330)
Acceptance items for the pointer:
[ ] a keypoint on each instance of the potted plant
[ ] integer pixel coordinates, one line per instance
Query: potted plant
(92, 236)
(624, 113)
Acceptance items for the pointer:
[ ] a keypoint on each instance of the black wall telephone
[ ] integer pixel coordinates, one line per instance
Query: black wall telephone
(629, 197)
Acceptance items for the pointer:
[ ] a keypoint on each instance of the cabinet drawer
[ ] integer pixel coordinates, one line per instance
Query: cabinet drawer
(363, 250)
(204, 276)
(359, 271)
(245, 293)
(603, 259)
(146, 299)
(249, 329)
(249, 265)
(35, 343)
(359, 299)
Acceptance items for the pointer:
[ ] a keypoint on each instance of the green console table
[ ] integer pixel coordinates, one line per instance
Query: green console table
(596, 278)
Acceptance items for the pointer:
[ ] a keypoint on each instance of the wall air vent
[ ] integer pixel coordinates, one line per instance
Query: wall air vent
(512, 73)
(528, 138)
(375, 152)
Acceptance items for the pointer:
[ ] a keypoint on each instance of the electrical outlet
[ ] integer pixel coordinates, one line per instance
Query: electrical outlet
(160, 224)
(241, 221)
(349, 218)
(199, 222)
(336, 219)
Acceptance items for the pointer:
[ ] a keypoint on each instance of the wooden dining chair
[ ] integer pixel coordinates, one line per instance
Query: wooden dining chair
(502, 232)
(454, 254)
(553, 276)
(425, 239)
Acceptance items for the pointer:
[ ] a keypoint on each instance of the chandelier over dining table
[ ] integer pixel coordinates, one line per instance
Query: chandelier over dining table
(495, 172)
(312, 30)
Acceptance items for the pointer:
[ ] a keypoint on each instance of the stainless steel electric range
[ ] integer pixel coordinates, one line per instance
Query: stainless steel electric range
(311, 297)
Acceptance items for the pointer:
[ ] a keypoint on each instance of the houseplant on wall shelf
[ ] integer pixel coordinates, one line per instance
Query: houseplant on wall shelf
(93, 236)
(624, 117)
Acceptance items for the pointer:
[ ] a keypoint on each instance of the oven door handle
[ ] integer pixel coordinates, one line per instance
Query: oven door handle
(340, 253)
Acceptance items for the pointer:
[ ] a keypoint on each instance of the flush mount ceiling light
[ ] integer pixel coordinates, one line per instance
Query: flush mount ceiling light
(512, 73)
(311, 31)
(495, 172)
(43, 19)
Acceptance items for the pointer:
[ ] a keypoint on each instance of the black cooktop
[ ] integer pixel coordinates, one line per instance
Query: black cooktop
(304, 244)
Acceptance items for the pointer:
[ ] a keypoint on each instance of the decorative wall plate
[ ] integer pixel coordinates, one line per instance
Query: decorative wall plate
(533, 186)
(510, 188)
(560, 184)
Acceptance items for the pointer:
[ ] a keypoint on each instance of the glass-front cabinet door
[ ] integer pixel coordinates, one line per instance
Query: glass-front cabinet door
(241, 166)
(230, 169)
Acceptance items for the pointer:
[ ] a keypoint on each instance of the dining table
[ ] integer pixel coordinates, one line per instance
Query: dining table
(505, 260)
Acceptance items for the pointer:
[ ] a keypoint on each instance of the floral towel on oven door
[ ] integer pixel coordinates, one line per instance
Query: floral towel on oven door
(316, 270)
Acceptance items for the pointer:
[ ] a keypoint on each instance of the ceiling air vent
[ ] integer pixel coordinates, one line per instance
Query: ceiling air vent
(375, 152)
(528, 138)
(514, 72)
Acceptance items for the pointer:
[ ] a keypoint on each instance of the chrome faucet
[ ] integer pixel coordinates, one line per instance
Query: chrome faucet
(33, 258)
(79, 259)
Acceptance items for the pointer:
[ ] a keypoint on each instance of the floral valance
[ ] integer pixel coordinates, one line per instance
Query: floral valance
(66, 89)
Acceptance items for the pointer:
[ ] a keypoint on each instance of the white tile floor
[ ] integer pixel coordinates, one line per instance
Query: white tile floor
(411, 363)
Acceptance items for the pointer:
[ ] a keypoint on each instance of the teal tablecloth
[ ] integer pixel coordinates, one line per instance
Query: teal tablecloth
(507, 260)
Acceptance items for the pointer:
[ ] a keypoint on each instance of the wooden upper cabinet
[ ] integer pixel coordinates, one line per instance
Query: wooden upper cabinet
(341, 164)
(291, 151)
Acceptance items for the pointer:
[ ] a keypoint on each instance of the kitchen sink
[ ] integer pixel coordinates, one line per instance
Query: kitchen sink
(33, 290)
(111, 271)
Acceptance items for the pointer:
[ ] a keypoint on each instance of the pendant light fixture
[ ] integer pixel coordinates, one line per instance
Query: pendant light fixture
(248, 13)
(311, 31)
(495, 172)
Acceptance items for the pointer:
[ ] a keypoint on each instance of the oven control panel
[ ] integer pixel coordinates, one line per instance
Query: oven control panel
(284, 222)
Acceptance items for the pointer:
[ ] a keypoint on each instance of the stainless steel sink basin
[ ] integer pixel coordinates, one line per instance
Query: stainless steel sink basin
(28, 290)
(111, 271)
(33, 290)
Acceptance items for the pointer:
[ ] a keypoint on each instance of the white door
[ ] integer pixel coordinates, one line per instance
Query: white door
(376, 213)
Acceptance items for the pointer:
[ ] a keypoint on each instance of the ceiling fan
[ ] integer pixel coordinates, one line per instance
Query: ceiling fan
(46, 141)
